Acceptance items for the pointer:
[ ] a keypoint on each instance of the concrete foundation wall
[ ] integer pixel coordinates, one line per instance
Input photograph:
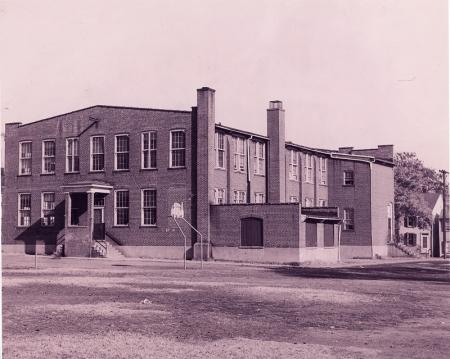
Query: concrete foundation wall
(356, 252)
(166, 252)
(328, 254)
(260, 255)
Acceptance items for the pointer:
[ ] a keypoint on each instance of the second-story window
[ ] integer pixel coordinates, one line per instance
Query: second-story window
(219, 196)
(220, 150)
(72, 155)
(97, 153)
(293, 165)
(177, 149)
(293, 199)
(122, 153)
(348, 178)
(259, 197)
(25, 149)
(322, 202)
(148, 142)
(309, 202)
(260, 155)
(308, 168)
(323, 170)
(48, 156)
(239, 197)
(239, 154)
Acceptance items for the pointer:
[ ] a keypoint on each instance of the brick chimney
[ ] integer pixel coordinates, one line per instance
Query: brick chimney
(277, 163)
(205, 161)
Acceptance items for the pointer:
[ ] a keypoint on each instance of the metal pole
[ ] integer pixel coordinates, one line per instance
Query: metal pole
(339, 242)
(184, 257)
(201, 239)
(35, 256)
(444, 213)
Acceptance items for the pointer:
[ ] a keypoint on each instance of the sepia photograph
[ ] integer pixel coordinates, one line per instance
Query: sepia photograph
(225, 179)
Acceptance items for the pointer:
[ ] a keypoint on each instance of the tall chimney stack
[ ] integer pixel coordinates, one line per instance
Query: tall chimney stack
(277, 164)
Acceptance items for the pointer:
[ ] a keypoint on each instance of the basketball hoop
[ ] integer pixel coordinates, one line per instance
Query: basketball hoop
(177, 210)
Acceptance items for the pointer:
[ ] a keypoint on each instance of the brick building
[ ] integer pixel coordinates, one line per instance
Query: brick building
(113, 173)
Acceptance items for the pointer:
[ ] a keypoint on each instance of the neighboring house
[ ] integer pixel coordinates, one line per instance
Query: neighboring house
(115, 172)
(428, 240)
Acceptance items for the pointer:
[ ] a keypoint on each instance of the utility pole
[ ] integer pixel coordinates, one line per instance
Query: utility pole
(444, 212)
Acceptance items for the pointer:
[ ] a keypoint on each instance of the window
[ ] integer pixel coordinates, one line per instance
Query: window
(239, 197)
(122, 153)
(348, 178)
(239, 154)
(48, 156)
(148, 145)
(410, 221)
(121, 207)
(220, 150)
(48, 209)
(293, 165)
(259, 197)
(308, 168)
(177, 149)
(424, 240)
(97, 153)
(219, 196)
(148, 207)
(309, 202)
(349, 219)
(260, 155)
(293, 199)
(72, 156)
(323, 170)
(24, 214)
(322, 202)
(25, 158)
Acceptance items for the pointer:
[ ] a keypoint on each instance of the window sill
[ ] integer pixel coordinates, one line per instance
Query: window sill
(76, 226)
(323, 184)
(119, 226)
(259, 175)
(102, 171)
(220, 168)
(348, 230)
(118, 171)
(148, 169)
(348, 185)
(177, 168)
(309, 182)
(48, 174)
(72, 173)
(24, 175)
(294, 180)
(148, 226)
(241, 172)
(22, 227)
(251, 247)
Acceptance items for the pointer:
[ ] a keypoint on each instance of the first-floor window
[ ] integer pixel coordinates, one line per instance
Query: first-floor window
(148, 214)
(219, 196)
(121, 208)
(48, 209)
(349, 219)
(24, 209)
(309, 202)
(322, 202)
(259, 197)
(239, 197)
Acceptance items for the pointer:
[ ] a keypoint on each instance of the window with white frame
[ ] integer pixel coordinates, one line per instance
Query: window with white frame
(323, 163)
(322, 202)
(97, 153)
(309, 202)
(348, 178)
(293, 165)
(219, 196)
(48, 156)
(220, 150)
(25, 153)
(121, 207)
(293, 199)
(72, 155)
(122, 152)
(308, 168)
(259, 197)
(349, 219)
(24, 209)
(148, 207)
(260, 155)
(48, 209)
(148, 145)
(239, 197)
(177, 148)
(239, 154)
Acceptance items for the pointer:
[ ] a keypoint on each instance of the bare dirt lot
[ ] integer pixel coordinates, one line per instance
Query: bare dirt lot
(80, 308)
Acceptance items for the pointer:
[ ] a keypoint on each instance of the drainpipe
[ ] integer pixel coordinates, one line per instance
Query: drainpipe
(248, 169)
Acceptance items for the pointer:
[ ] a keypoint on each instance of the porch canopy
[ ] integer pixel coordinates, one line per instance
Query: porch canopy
(87, 187)
(321, 215)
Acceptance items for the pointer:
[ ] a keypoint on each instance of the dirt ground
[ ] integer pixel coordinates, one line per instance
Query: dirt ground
(81, 308)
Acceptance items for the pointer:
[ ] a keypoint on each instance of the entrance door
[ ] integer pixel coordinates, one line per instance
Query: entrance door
(99, 223)
(251, 232)
(425, 243)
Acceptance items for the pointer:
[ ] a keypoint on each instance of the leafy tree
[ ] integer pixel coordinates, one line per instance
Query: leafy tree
(411, 179)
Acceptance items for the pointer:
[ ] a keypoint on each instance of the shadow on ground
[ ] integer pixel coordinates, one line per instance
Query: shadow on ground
(437, 271)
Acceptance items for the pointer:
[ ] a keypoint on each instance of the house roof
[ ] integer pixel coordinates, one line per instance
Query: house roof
(430, 198)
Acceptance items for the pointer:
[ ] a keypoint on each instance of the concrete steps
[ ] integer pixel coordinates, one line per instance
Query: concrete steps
(113, 250)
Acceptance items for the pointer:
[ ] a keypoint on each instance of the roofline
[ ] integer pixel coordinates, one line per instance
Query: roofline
(241, 132)
(101, 106)
(325, 152)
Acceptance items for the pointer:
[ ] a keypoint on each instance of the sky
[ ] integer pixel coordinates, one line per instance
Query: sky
(349, 72)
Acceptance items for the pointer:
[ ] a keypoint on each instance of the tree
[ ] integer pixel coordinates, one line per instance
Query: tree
(411, 179)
